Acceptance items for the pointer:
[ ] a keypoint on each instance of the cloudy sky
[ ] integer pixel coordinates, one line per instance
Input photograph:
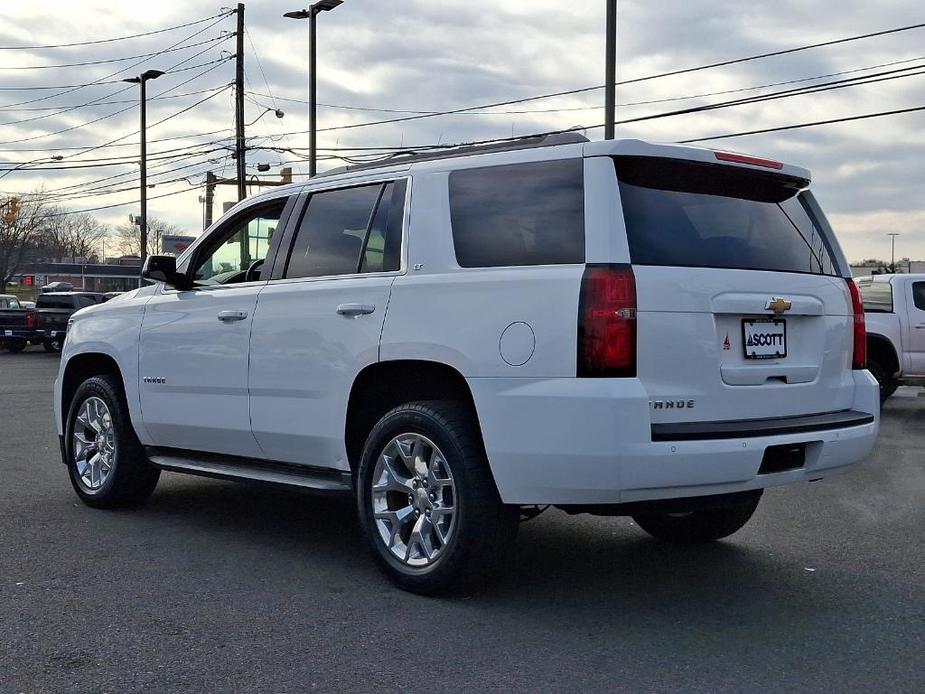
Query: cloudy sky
(432, 55)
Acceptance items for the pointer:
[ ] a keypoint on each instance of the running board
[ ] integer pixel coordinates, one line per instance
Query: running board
(248, 469)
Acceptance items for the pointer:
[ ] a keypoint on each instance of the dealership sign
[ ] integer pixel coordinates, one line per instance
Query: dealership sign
(175, 245)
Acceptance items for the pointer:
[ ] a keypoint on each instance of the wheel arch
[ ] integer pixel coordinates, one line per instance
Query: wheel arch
(386, 384)
(78, 369)
(882, 350)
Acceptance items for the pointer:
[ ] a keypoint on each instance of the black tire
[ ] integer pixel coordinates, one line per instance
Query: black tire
(484, 527)
(697, 526)
(15, 346)
(887, 383)
(132, 479)
(52, 345)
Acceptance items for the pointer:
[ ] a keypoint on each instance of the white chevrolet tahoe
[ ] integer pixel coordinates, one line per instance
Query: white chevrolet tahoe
(617, 328)
(894, 309)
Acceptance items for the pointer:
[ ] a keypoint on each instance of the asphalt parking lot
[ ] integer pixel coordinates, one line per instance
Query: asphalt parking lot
(217, 587)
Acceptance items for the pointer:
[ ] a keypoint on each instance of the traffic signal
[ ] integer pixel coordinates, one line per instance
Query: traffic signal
(12, 211)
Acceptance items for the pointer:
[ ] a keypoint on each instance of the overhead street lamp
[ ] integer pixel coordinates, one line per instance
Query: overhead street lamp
(141, 80)
(40, 160)
(275, 111)
(310, 14)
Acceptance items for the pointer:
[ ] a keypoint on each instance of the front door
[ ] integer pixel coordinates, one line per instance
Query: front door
(319, 320)
(194, 343)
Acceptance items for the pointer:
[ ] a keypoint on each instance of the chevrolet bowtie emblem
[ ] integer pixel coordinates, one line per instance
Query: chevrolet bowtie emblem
(778, 305)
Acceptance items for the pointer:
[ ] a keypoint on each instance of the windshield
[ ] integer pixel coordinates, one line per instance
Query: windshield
(691, 214)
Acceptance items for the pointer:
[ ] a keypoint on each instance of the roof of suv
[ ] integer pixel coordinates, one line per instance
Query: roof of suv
(535, 148)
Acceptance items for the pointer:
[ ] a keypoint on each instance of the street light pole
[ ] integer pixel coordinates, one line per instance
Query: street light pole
(893, 235)
(311, 14)
(142, 80)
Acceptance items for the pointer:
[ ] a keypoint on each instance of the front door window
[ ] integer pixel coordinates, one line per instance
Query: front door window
(238, 252)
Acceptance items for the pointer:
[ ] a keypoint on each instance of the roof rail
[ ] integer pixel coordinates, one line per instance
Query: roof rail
(530, 142)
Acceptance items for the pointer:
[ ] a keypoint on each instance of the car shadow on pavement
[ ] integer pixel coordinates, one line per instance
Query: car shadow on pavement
(591, 569)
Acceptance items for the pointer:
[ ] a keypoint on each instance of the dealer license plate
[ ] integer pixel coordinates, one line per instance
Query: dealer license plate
(764, 339)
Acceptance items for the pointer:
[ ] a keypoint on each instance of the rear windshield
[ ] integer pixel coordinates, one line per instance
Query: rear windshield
(693, 214)
(54, 302)
(877, 297)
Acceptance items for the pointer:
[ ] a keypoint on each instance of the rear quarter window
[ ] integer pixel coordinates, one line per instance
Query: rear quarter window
(691, 214)
(877, 297)
(519, 214)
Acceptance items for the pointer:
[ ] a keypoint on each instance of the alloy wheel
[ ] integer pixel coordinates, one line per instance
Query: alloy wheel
(414, 500)
(94, 443)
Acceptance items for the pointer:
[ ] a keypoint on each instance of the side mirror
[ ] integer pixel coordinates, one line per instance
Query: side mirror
(163, 268)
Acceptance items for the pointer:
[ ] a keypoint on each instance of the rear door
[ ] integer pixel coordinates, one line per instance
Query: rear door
(915, 337)
(319, 320)
(742, 309)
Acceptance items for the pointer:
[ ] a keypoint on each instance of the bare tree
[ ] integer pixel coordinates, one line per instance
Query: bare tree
(71, 235)
(21, 224)
(127, 237)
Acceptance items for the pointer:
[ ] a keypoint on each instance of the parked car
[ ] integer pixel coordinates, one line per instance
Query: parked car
(894, 308)
(18, 325)
(616, 328)
(54, 310)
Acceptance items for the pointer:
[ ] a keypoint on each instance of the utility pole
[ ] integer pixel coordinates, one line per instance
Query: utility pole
(610, 73)
(239, 105)
(210, 197)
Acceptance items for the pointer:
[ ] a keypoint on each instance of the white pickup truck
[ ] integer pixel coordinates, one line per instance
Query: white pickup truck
(894, 309)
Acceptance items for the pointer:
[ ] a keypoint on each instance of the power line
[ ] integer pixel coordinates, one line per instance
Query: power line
(598, 107)
(118, 38)
(123, 204)
(811, 124)
(101, 103)
(124, 69)
(910, 71)
(787, 93)
(111, 60)
(95, 120)
(670, 73)
(134, 132)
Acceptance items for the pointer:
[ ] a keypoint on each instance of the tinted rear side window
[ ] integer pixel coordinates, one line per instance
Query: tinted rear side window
(877, 297)
(521, 214)
(702, 215)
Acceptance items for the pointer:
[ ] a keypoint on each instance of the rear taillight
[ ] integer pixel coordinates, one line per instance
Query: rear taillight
(31, 320)
(859, 360)
(607, 322)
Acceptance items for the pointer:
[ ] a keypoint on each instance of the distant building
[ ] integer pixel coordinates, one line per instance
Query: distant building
(879, 267)
(118, 276)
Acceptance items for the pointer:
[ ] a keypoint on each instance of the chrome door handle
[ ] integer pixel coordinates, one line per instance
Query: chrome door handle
(353, 310)
(230, 316)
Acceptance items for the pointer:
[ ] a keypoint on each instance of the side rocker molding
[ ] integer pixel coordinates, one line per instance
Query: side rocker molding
(250, 470)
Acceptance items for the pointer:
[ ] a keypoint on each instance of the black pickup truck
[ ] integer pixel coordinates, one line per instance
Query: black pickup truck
(47, 323)
(54, 309)
(18, 325)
